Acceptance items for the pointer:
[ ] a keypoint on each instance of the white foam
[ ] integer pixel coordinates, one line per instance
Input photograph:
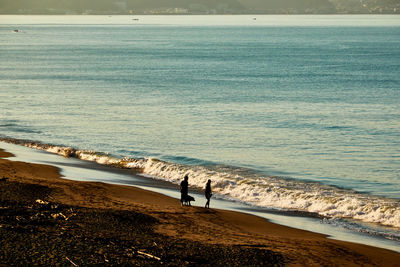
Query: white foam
(261, 191)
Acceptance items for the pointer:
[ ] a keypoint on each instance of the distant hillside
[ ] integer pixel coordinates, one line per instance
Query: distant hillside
(289, 6)
(367, 6)
(199, 6)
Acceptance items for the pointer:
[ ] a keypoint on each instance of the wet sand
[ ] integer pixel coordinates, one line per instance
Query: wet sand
(94, 223)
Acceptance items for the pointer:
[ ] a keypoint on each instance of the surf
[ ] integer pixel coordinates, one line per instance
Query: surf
(252, 188)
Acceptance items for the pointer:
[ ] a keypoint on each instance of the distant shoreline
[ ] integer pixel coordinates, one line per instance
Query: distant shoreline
(284, 20)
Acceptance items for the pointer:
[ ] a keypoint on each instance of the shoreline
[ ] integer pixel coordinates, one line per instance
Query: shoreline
(77, 169)
(73, 167)
(164, 177)
(208, 227)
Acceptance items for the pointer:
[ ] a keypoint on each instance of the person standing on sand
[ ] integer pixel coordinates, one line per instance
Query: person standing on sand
(208, 194)
(184, 189)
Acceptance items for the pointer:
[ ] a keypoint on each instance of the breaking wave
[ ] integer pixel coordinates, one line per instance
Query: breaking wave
(252, 188)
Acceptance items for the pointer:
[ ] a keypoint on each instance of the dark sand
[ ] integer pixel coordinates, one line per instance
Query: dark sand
(88, 223)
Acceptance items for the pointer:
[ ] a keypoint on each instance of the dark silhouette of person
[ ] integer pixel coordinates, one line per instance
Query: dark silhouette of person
(208, 194)
(184, 189)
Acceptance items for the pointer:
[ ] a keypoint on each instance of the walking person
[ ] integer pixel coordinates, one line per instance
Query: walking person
(184, 189)
(208, 194)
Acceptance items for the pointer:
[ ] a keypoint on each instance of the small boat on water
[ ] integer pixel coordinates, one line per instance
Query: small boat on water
(15, 30)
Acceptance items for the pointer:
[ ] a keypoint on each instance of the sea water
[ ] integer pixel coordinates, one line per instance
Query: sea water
(285, 112)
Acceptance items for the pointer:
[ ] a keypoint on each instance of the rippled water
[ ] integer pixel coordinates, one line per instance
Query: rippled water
(242, 102)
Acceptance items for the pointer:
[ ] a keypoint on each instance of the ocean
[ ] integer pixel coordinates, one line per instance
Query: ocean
(295, 113)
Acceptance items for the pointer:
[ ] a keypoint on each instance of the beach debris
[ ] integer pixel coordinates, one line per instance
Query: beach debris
(59, 215)
(4, 179)
(42, 202)
(148, 255)
(102, 253)
(73, 263)
(130, 252)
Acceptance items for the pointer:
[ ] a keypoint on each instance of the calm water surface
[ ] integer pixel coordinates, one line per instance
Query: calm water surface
(313, 98)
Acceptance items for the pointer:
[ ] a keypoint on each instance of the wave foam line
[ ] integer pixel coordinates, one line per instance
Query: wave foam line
(271, 192)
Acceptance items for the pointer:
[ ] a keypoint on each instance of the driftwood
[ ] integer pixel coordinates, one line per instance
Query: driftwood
(58, 215)
(148, 255)
(42, 202)
(73, 263)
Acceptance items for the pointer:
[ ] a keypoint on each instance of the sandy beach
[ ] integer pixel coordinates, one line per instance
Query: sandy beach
(47, 220)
